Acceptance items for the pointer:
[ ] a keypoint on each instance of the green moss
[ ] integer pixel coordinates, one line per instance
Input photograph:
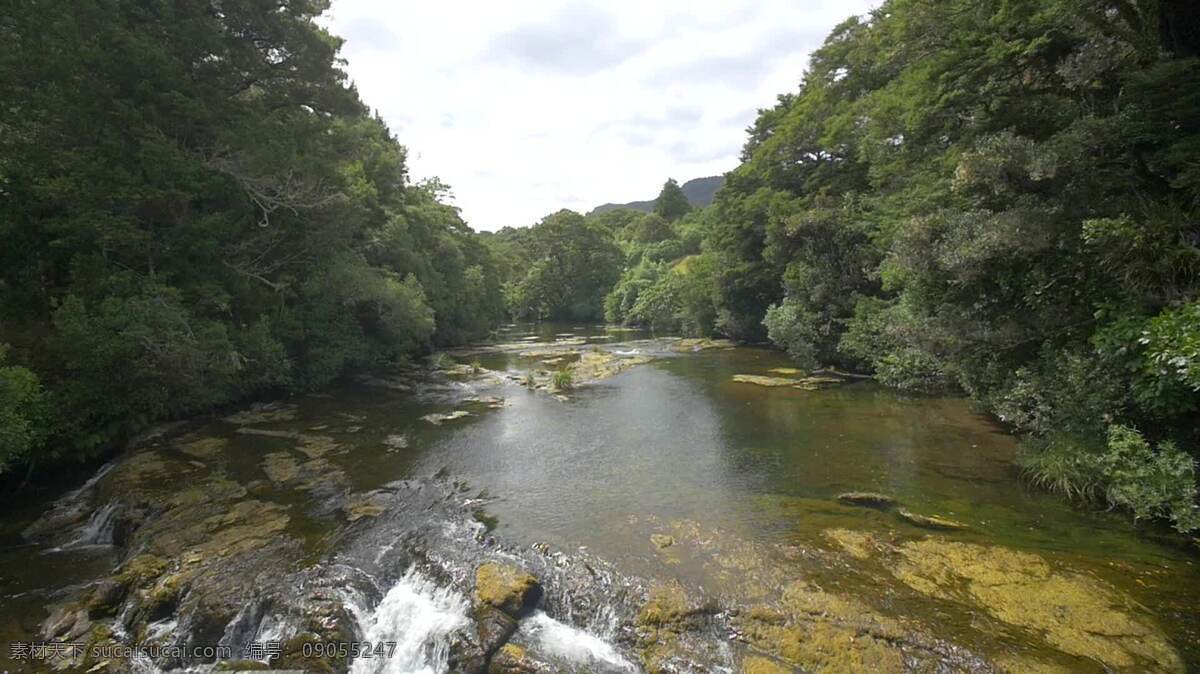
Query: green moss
(505, 587)
(1076, 614)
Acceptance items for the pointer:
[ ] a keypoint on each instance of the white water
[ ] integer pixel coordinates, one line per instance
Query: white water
(559, 639)
(97, 531)
(420, 617)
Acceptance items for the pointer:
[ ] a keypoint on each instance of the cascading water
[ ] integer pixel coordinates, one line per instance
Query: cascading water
(97, 531)
(574, 645)
(419, 616)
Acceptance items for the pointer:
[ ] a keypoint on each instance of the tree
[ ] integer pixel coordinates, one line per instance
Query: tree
(571, 265)
(671, 203)
(197, 207)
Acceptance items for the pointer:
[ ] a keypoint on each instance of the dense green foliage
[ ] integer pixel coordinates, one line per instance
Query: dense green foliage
(671, 203)
(195, 208)
(1000, 197)
(559, 269)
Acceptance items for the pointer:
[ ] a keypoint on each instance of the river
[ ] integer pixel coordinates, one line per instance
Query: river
(676, 519)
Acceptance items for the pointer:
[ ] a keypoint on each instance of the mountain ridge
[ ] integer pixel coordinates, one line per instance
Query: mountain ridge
(699, 193)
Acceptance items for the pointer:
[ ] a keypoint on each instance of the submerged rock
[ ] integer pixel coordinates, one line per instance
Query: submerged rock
(662, 540)
(761, 380)
(930, 521)
(366, 505)
(869, 499)
(760, 665)
(203, 448)
(396, 442)
(438, 417)
(857, 543)
(1076, 614)
(263, 413)
(811, 383)
(313, 446)
(701, 344)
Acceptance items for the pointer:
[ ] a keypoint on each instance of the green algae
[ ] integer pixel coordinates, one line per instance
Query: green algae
(506, 587)
(1075, 613)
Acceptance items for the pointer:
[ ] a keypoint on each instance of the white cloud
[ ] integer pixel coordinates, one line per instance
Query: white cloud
(525, 107)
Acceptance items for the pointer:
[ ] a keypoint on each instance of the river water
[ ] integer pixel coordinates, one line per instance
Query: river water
(671, 474)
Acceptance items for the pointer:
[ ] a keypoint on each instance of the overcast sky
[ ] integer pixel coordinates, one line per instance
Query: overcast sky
(526, 107)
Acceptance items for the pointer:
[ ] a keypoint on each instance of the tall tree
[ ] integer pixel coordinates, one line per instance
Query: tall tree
(671, 203)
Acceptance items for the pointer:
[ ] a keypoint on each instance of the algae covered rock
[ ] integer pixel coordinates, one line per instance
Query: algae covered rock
(821, 631)
(869, 499)
(760, 665)
(930, 521)
(690, 345)
(761, 380)
(513, 659)
(857, 543)
(662, 540)
(1077, 614)
(506, 587)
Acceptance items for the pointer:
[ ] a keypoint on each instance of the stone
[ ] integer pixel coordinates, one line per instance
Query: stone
(506, 587)
(760, 665)
(930, 521)
(867, 498)
(513, 659)
(857, 543)
(396, 442)
(662, 540)
(438, 417)
(263, 414)
(1077, 614)
(760, 380)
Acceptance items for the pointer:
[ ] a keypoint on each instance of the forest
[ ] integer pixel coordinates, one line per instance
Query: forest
(999, 199)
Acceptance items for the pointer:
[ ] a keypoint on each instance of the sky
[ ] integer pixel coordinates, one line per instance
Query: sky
(529, 106)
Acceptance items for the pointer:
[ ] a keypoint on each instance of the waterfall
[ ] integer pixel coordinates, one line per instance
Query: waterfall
(97, 531)
(419, 616)
(574, 645)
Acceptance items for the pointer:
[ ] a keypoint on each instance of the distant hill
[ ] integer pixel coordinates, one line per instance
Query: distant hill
(699, 193)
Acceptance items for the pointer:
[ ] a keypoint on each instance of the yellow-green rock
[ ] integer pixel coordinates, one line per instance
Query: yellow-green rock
(506, 587)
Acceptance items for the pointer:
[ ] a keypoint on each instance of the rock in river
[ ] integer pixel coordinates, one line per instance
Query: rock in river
(508, 588)
(930, 521)
(869, 499)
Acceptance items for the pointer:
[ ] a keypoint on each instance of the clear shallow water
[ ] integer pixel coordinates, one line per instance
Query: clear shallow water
(672, 445)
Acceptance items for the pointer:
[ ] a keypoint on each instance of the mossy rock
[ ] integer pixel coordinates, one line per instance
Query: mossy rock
(662, 540)
(868, 499)
(1076, 614)
(857, 543)
(506, 587)
(930, 521)
(292, 655)
(141, 571)
(105, 598)
(759, 665)
(762, 380)
(669, 606)
(203, 448)
(512, 659)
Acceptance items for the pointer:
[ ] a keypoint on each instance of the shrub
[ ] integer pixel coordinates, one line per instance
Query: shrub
(563, 380)
(26, 417)
(1159, 482)
(1127, 473)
